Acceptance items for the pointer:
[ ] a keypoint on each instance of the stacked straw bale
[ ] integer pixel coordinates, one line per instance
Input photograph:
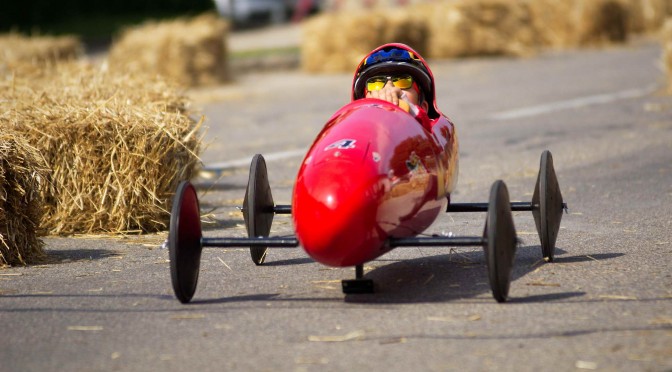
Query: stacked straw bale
(404, 27)
(22, 176)
(666, 35)
(336, 42)
(189, 51)
(116, 145)
(477, 28)
(436, 30)
(599, 22)
(647, 16)
(17, 50)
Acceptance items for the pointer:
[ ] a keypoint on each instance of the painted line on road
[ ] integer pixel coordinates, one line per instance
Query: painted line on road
(573, 103)
(243, 162)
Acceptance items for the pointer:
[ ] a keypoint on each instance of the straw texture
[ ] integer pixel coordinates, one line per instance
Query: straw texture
(116, 145)
(34, 52)
(188, 51)
(22, 180)
(335, 42)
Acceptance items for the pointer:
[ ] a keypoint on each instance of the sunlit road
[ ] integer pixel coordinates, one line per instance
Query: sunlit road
(605, 304)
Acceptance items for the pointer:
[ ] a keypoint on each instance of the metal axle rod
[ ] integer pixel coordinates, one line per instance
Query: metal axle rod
(250, 242)
(437, 241)
(282, 209)
(453, 207)
(483, 207)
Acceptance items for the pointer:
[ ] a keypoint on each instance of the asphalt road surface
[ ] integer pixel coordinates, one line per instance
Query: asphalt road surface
(106, 304)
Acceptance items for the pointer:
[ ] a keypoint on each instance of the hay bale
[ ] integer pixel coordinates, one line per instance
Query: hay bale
(601, 22)
(17, 50)
(189, 51)
(437, 30)
(666, 36)
(483, 27)
(22, 176)
(647, 16)
(462, 28)
(554, 22)
(116, 145)
(576, 23)
(358, 33)
(403, 25)
(322, 51)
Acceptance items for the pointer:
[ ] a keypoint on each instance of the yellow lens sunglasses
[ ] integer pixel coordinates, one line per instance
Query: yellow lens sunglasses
(378, 82)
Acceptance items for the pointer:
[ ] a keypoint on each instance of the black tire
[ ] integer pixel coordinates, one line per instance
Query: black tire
(500, 241)
(547, 206)
(258, 206)
(184, 242)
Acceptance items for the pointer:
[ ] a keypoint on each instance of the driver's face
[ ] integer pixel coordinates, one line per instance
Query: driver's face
(392, 94)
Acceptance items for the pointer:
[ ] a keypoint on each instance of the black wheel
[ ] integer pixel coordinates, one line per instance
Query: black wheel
(500, 241)
(547, 206)
(258, 206)
(184, 242)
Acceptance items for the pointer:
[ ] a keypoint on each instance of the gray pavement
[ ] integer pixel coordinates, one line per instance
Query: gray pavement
(272, 48)
(605, 304)
(285, 35)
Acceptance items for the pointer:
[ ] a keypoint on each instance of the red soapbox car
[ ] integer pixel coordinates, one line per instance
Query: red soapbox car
(374, 179)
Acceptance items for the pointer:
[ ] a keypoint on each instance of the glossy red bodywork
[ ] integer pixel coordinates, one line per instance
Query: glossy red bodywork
(373, 172)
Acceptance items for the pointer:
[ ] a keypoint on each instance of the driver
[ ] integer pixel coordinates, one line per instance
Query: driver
(398, 74)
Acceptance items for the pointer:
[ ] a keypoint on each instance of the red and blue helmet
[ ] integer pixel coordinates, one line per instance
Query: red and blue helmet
(396, 59)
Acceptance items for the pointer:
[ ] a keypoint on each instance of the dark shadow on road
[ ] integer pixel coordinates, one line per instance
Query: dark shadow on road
(57, 256)
(272, 297)
(450, 277)
(590, 257)
(546, 297)
(217, 224)
(262, 297)
(293, 261)
(436, 278)
(245, 298)
(77, 295)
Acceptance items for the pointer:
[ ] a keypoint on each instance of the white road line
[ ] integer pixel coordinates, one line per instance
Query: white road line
(572, 103)
(238, 163)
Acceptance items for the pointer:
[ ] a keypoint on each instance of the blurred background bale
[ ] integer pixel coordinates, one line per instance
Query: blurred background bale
(480, 28)
(17, 50)
(402, 26)
(116, 145)
(647, 16)
(22, 180)
(666, 35)
(580, 23)
(600, 22)
(336, 42)
(189, 51)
